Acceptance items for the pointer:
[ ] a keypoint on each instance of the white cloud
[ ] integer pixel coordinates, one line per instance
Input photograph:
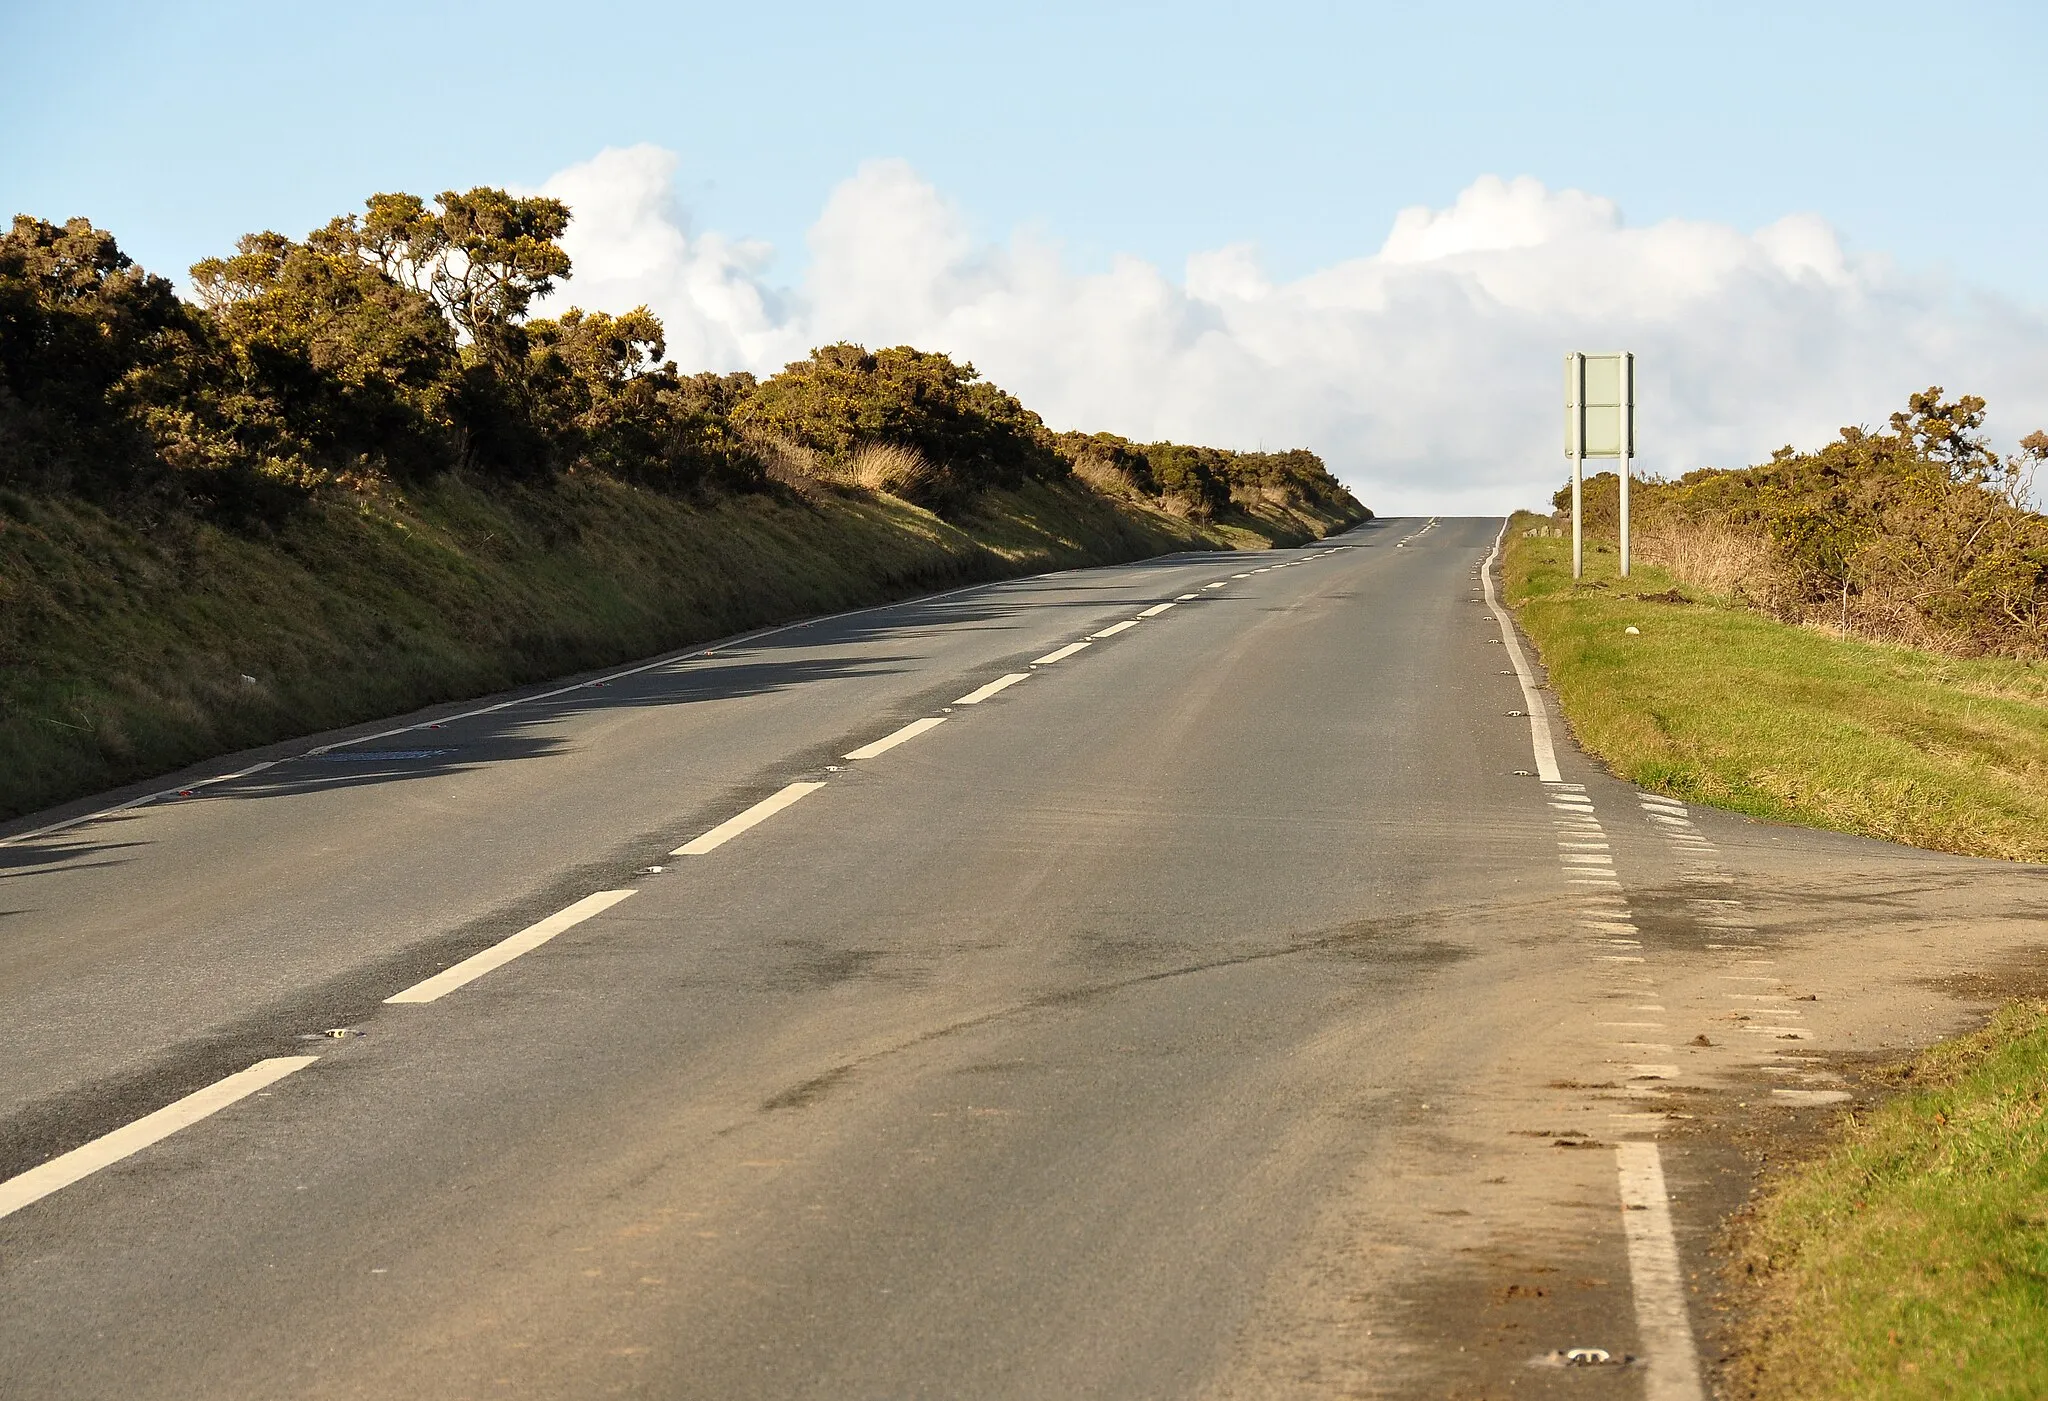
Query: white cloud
(1426, 372)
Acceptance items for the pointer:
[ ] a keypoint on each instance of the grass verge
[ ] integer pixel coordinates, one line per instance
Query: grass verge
(1715, 703)
(129, 652)
(1911, 1261)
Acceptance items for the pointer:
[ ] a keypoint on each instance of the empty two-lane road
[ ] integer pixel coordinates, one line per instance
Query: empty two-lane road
(912, 1003)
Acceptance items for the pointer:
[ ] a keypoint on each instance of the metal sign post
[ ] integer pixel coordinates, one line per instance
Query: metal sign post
(1599, 421)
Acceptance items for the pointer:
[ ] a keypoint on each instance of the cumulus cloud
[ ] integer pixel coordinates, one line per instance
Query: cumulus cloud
(1426, 371)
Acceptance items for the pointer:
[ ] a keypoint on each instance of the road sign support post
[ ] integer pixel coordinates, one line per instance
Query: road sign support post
(1624, 510)
(1599, 421)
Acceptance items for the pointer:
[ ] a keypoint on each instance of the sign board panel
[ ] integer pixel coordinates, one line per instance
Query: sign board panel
(1599, 405)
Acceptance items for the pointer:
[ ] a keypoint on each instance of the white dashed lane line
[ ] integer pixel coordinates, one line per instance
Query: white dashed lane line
(1113, 629)
(1700, 865)
(753, 817)
(1001, 683)
(61, 1171)
(1155, 610)
(501, 953)
(895, 737)
(1060, 655)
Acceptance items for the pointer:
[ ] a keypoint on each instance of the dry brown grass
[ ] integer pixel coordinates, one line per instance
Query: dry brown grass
(788, 463)
(1713, 557)
(893, 468)
(1106, 478)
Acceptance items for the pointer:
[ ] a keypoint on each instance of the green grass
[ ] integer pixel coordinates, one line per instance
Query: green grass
(1714, 703)
(123, 650)
(1912, 1260)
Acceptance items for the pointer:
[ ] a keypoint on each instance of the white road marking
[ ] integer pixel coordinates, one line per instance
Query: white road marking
(1001, 683)
(1812, 1096)
(1113, 629)
(1673, 1363)
(1539, 718)
(1155, 610)
(1061, 655)
(891, 740)
(1246, 575)
(1186, 596)
(753, 817)
(505, 950)
(110, 1148)
(1217, 585)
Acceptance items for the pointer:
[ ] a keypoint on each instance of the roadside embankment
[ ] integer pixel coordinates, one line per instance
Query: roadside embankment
(135, 647)
(1910, 1260)
(1714, 702)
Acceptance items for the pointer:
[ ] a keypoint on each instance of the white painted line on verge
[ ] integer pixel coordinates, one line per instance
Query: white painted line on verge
(1113, 629)
(891, 740)
(1673, 1363)
(1539, 718)
(1061, 655)
(753, 817)
(61, 1171)
(1001, 683)
(1155, 610)
(505, 950)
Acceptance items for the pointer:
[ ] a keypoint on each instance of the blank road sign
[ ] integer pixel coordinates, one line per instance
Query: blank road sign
(1600, 405)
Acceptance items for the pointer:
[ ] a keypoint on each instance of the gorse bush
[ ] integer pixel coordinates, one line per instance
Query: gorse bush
(1201, 481)
(1921, 535)
(398, 343)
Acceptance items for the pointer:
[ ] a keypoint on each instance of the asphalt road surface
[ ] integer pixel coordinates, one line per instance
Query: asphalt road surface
(1227, 1007)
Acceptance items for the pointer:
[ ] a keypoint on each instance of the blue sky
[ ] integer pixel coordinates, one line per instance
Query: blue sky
(1162, 220)
(1149, 129)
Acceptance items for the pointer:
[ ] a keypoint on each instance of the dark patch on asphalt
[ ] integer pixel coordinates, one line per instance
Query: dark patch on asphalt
(810, 1091)
(812, 967)
(2020, 974)
(1491, 1323)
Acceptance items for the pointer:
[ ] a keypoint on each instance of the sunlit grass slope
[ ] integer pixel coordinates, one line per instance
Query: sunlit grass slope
(1716, 703)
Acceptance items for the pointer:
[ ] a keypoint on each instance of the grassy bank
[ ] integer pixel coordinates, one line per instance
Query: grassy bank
(1911, 1260)
(131, 651)
(1716, 703)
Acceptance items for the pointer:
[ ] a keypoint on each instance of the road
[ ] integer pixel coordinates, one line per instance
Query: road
(1224, 1008)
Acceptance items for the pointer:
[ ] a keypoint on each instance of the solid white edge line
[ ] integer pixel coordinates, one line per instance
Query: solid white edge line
(505, 950)
(895, 737)
(982, 693)
(1539, 717)
(110, 1148)
(1060, 654)
(1673, 1364)
(1155, 610)
(1113, 629)
(753, 817)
